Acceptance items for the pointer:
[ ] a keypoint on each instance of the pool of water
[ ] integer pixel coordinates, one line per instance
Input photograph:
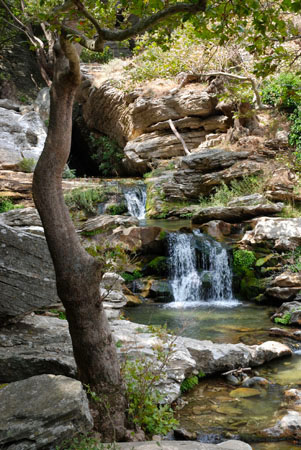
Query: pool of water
(245, 322)
(211, 410)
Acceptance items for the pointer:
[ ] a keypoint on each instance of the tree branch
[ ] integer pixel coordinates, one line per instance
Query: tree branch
(177, 134)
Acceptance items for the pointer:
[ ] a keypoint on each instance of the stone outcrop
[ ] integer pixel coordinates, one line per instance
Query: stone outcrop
(22, 136)
(236, 214)
(105, 222)
(27, 280)
(182, 445)
(280, 234)
(42, 411)
(41, 344)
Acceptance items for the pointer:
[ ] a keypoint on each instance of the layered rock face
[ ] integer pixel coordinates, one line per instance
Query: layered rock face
(139, 121)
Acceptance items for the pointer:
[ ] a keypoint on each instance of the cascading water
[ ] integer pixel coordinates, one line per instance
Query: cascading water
(136, 200)
(200, 279)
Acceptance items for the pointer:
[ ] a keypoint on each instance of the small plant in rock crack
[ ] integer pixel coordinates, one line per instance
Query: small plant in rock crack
(146, 409)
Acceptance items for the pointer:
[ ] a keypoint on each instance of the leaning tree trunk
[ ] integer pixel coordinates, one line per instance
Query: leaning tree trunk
(77, 273)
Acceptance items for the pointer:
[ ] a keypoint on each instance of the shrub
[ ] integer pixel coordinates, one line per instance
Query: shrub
(86, 199)
(107, 154)
(131, 276)
(284, 320)
(117, 209)
(243, 260)
(6, 205)
(158, 265)
(27, 165)
(88, 56)
(69, 173)
(225, 193)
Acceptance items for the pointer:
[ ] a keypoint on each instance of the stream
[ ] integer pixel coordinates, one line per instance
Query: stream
(205, 308)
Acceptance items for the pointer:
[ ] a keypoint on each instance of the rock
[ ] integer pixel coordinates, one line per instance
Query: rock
(244, 392)
(106, 222)
(210, 160)
(212, 358)
(9, 104)
(185, 122)
(218, 229)
(255, 381)
(235, 214)
(181, 434)
(42, 411)
(142, 239)
(216, 123)
(292, 310)
(160, 291)
(35, 346)
(24, 217)
(292, 334)
(248, 200)
(42, 103)
(278, 233)
(140, 152)
(27, 279)
(111, 291)
(288, 427)
(22, 136)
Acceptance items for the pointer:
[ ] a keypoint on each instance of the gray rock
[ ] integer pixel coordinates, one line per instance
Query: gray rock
(106, 222)
(42, 411)
(42, 103)
(282, 234)
(234, 214)
(23, 217)
(247, 200)
(293, 309)
(27, 280)
(22, 136)
(212, 159)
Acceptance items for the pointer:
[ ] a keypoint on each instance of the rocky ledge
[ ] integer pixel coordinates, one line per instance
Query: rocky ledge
(41, 344)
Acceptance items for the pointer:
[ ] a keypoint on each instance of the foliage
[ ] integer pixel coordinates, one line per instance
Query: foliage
(158, 265)
(146, 408)
(6, 204)
(284, 320)
(243, 260)
(189, 383)
(88, 56)
(86, 199)
(117, 209)
(27, 165)
(61, 315)
(112, 258)
(284, 92)
(69, 173)
(291, 210)
(225, 193)
(107, 154)
(294, 260)
(131, 276)
(86, 442)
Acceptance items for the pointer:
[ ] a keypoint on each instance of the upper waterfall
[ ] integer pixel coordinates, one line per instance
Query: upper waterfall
(136, 200)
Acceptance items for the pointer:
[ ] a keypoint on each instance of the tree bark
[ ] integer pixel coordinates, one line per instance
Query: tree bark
(77, 273)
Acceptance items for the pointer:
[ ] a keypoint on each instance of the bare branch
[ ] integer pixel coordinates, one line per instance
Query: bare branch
(153, 19)
(89, 16)
(177, 134)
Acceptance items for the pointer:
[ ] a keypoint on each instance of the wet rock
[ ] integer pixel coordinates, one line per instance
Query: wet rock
(277, 233)
(181, 434)
(292, 334)
(232, 379)
(255, 381)
(22, 136)
(288, 427)
(160, 291)
(235, 213)
(244, 392)
(42, 411)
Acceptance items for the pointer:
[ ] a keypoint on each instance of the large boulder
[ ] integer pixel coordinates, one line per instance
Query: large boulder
(235, 214)
(280, 234)
(289, 312)
(27, 279)
(22, 136)
(42, 411)
(105, 222)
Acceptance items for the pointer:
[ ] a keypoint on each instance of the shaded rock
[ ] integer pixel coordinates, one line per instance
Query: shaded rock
(105, 222)
(27, 279)
(216, 123)
(255, 381)
(35, 346)
(185, 122)
(292, 334)
(160, 291)
(281, 234)
(235, 213)
(22, 136)
(143, 239)
(42, 411)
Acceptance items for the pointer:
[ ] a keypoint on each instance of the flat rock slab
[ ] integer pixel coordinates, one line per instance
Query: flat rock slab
(181, 445)
(41, 344)
(42, 411)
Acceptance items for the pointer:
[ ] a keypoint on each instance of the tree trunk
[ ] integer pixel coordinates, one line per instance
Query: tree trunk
(77, 273)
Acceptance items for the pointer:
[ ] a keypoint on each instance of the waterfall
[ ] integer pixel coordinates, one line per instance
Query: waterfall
(136, 200)
(200, 277)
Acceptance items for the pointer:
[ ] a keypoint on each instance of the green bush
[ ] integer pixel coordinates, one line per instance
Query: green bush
(158, 265)
(69, 173)
(87, 56)
(117, 209)
(225, 193)
(107, 154)
(131, 276)
(189, 383)
(6, 204)
(86, 199)
(284, 320)
(243, 260)
(27, 165)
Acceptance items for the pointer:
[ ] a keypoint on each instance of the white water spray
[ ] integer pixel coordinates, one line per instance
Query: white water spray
(136, 200)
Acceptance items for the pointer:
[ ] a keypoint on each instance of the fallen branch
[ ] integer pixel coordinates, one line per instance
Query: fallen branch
(242, 369)
(177, 134)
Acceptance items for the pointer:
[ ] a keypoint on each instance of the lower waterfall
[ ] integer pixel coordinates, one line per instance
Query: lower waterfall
(200, 273)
